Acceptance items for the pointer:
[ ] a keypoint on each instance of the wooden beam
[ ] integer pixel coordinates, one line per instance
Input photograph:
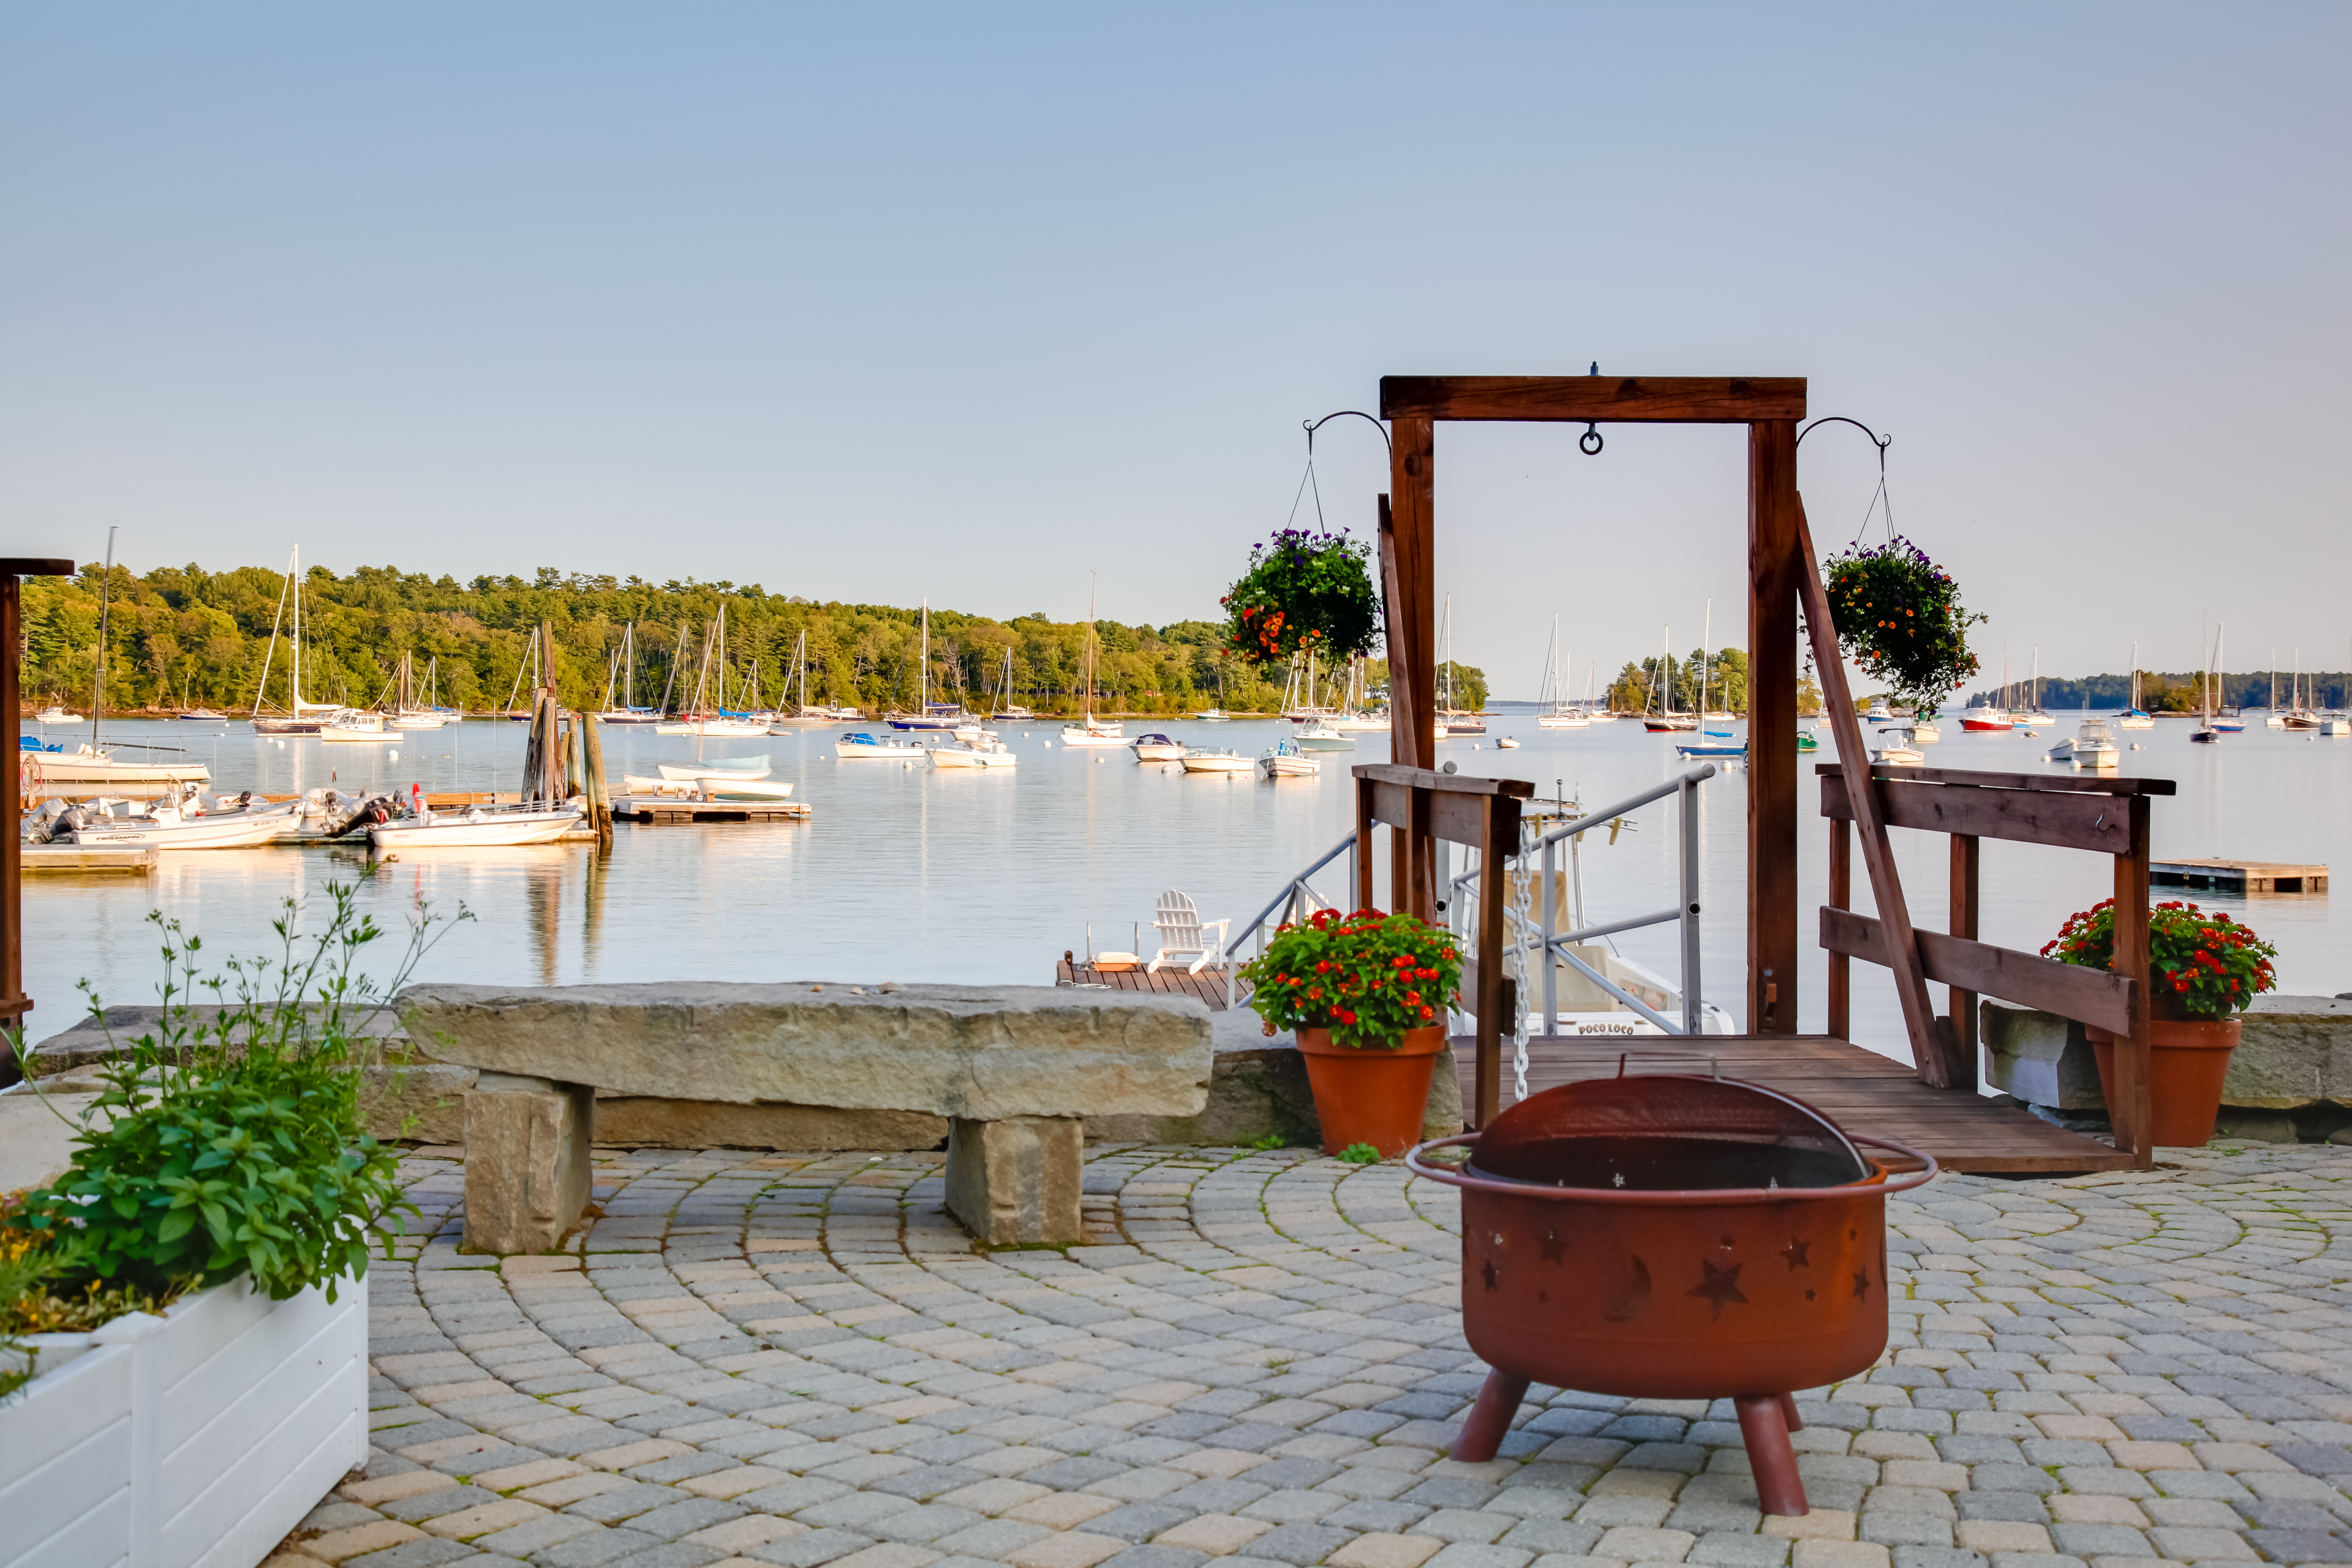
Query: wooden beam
(1500, 838)
(1695, 400)
(2132, 1110)
(2060, 784)
(31, 566)
(1412, 609)
(2093, 995)
(1966, 854)
(1870, 826)
(1773, 573)
(1444, 784)
(2100, 824)
(1365, 892)
(14, 1004)
(1840, 989)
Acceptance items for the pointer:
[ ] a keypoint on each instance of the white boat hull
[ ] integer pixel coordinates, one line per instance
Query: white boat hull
(57, 768)
(846, 752)
(687, 772)
(1566, 721)
(712, 727)
(234, 831)
(637, 784)
(735, 786)
(1218, 765)
(964, 757)
(470, 830)
(1072, 736)
(1290, 767)
(1159, 753)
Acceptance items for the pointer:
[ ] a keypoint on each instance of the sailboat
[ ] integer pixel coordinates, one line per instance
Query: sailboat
(1667, 720)
(301, 718)
(2134, 717)
(1597, 714)
(406, 711)
(2226, 719)
(1002, 709)
(2033, 713)
(625, 666)
(1091, 731)
(927, 714)
(721, 723)
(1705, 637)
(1451, 720)
(2299, 714)
(2206, 735)
(1357, 713)
(1564, 715)
(804, 713)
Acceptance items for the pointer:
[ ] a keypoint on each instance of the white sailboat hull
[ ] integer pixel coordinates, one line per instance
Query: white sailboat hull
(711, 726)
(687, 772)
(1562, 721)
(472, 830)
(57, 768)
(738, 786)
(1072, 735)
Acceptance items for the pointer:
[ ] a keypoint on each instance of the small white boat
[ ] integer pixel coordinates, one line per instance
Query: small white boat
(734, 767)
(1158, 747)
(721, 725)
(475, 827)
(2336, 724)
(857, 744)
(1095, 732)
(354, 724)
(1211, 716)
(1325, 736)
(1924, 732)
(60, 770)
(166, 826)
(1361, 723)
(1217, 763)
(2093, 746)
(979, 755)
(1286, 761)
(1880, 713)
(637, 783)
(202, 716)
(741, 787)
(2031, 716)
(1898, 756)
(55, 715)
(421, 718)
(1508, 743)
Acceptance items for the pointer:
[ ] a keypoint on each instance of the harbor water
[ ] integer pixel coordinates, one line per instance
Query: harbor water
(906, 874)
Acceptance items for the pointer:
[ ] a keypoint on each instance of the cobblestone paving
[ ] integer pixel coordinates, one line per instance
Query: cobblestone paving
(796, 1361)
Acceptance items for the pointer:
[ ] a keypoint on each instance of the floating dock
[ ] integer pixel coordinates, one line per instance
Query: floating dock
(130, 860)
(1207, 986)
(2241, 877)
(680, 808)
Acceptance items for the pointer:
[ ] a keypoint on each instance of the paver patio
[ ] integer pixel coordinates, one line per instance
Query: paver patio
(800, 1360)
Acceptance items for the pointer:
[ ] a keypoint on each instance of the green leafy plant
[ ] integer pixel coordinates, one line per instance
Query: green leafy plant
(230, 1142)
(1303, 592)
(2202, 965)
(1898, 616)
(1270, 1141)
(1368, 977)
(1358, 1155)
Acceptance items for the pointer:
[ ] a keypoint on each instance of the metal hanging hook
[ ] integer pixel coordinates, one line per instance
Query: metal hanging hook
(1590, 443)
(1314, 424)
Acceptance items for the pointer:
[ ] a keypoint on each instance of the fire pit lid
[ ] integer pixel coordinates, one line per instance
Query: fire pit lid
(1666, 1132)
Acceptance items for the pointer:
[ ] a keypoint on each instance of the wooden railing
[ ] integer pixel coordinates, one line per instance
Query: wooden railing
(2102, 815)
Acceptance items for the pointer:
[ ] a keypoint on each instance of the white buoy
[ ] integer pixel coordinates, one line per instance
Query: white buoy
(393, 755)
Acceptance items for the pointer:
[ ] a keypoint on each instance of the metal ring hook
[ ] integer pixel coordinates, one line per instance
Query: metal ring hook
(1312, 426)
(1590, 443)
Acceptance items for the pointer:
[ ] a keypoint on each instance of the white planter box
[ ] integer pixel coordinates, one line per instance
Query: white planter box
(196, 1439)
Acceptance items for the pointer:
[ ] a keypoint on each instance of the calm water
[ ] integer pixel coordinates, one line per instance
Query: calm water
(988, 875)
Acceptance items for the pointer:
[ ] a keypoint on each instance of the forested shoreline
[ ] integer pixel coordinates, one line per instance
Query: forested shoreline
(183, 636)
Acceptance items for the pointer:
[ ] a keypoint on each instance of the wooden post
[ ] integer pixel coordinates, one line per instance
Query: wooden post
(14, 1003)
(1774, 532)
(1840, 989)
(1412, 611)
(1961, 1021)
(1364, 888)
(1493, 883)
(2133, 1111)
(1870, 825)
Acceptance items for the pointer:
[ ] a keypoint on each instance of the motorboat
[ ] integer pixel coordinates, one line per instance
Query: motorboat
(1325, 737)
(1158, 747)
(1879, 713)
(1924, 732)
(355, 724)
(200, 716)
(858, 744)
(1094, 731)
(1284, 760)
(1898, 756)
(477, 826)
(974, 754)
(630, 716)
(734, 767)
(1211, 716)
(2093, 746)
(974, 733)
(1806, 741)
(85, 766)
(1507, 743)
(53, 714)
(1201, 762)
(171, 825)
(2336, 724)
(739, 787)
(1986, 719)
(1714, 746)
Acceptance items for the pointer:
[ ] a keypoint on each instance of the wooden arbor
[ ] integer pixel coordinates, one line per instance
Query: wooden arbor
(1783, 573)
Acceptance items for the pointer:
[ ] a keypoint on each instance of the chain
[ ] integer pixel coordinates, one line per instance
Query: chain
(1521, 925)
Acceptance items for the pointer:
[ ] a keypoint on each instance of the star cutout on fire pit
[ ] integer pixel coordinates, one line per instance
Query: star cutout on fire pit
(1795, 1252)
(1860, 1287)
(1493, 1275)
(1719, 1286)
(1555, 1250)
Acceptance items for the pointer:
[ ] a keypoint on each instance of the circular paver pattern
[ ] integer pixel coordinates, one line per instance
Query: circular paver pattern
(801, 1360)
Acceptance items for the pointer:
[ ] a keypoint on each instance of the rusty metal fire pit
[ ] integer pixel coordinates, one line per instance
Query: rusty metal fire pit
(1668, 1237)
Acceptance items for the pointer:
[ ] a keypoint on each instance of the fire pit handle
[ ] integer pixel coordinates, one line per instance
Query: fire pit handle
(1894, 1180)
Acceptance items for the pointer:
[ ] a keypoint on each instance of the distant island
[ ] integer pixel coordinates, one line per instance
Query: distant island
(183, 637)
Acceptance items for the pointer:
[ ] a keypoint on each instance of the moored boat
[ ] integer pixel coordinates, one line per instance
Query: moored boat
(1158, 747)
(475, 827)
(1205, 762)
(859, 745)
(1324, 737)
(734, 767)
(1284, 760)
(974, 754)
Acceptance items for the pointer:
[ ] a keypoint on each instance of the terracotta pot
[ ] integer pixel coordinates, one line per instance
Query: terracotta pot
(1371, 1094)
(2188, 1060)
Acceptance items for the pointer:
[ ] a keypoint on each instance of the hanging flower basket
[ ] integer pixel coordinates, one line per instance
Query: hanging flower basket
(1898, 616)
(1303, 592)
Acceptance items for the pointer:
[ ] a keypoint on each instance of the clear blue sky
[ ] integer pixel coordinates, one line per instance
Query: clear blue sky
(960, 300)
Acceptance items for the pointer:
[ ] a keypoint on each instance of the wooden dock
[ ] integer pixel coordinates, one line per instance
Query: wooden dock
(130, 859)
(1207, 986)
(1859, 1089)
(2241, 877)
(680, 809)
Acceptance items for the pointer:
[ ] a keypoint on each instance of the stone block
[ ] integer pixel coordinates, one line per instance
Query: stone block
(643, 1122)
(2038, 1058)
(982, 1053)
(1257, 1090)
(2292, 1051)
(1016, 1181)
(527, 1161)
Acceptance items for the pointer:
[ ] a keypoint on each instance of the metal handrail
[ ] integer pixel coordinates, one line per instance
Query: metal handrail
(1292, 893)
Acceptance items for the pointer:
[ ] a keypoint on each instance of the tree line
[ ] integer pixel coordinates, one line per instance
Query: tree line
(2174, 693)
(183, 636)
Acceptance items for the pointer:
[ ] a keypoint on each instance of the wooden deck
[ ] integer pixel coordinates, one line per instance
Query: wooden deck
(1209, 985)
(669, 809)
(51, 858)
(1860, 1090)
(2240, 877)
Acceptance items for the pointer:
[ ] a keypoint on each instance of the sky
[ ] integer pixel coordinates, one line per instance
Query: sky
(970, 301)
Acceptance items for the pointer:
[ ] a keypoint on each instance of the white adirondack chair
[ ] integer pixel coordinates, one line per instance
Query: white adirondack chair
(1182, 931)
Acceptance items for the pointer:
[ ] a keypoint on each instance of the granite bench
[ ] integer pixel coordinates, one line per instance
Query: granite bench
(1015, 1069)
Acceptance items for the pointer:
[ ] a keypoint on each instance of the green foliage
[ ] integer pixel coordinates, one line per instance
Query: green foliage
(1898, 616)
(1358, 1155)
(1636, 689)
(236, 1144)
(2204, 965)
(1303, 592)
(186, 631)
(1468, 683)
(1272, 1140)
(1368, 977)
(23, 1279)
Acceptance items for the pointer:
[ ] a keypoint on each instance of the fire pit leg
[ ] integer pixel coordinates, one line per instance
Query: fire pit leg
(1490, 1419)
(1769, 1454)
(1789, 1412)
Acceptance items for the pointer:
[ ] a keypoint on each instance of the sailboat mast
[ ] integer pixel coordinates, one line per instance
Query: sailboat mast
(97, 675)
(923, 667)
(294, 573)
(1706, 634)
(262, 689)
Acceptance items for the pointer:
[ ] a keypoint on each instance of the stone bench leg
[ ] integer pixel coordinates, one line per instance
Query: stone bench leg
(1017, 1181)
(527, 1165)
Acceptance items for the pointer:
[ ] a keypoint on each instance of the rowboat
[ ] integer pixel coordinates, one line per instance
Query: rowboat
(477, 827)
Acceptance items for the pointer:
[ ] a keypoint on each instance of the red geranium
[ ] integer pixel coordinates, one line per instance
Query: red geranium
(2202, 965)
(1353, 956)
